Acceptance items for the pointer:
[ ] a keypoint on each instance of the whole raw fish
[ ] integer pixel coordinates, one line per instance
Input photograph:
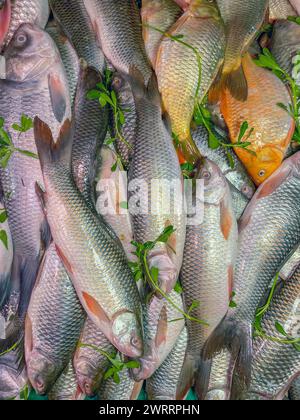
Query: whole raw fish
(275, 365)
(76, 24)
(294, 392)
(26, 11)
(178, 68)
(207, 270)
(66, 387)
(272, 126)
(155, 159)
(280, 9)
(163, 383)
(242, 21)
(5, 16)
(35, 85)
(259, 258)
(118, 27)
(161, 14)
(92, 256)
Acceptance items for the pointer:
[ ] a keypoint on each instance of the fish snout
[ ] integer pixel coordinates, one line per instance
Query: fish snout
(41, 373)
(127, 335)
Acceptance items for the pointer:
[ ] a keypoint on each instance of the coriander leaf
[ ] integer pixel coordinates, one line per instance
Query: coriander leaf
(243, 129)
(124, 205)
(280, 329)
(178, 288)
(3, 216)
(4, 238)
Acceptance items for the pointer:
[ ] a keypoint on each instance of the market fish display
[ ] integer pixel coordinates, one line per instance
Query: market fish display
(242, 21)
(272, 126)
(207, 270)
(259, 259)
(113, 303)
(73, 18)
(160, 15)
(178, 68)
(123, 45)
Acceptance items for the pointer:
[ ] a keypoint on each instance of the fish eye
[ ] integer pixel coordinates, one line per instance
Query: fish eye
(262, 173)
(21, 39)
(206, 175)
(134, 342)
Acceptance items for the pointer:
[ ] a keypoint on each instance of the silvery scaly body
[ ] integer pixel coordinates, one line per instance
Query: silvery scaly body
(73, 18)
(91, 254)
(162, 385)
(6, 259)
(266, 240)
(280, 9)
(13, 377)
(207, 271)
(275, 365)
(294, 392)
(35, 85)
(66, 388)
(219, 387)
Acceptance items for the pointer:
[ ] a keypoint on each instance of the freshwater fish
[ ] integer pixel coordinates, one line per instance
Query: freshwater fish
(219, 386)
(5, 16)
(162, 384)
(207, 271)
(118, 27)
(242, 21)
(294, 392)
(161, 15)
(6, 259)
(66, 388)
(272, 126)
(178, 67)
(259, 258)
(35, 85)
(73, 18)
(280, 9)
(92, 256)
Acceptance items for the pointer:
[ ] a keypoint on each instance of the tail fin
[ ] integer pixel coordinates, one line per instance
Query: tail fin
(234, 81)
(5, 288)
(187, 376)
(202, 378)
(237, 338)
(48, 150)
(29, 268)
(5, 16)
(136, 81)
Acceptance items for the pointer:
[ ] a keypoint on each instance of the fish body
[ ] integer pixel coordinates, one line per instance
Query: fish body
(66, 388)
(296, 5)
(6, 259)
(13, 377)
(73, 18)
(207, 270)
(275, 365)
(93, 257)
(178, 68)
(290, 265)
(280, 9)
(123, 46)
(161, 15)
(162, 384)
(272, 126)
(35, 85)
(259, 258)
(294, 392)
(219, 386)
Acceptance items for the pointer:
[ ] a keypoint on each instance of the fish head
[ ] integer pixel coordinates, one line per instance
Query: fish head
(215, 183)
(148, 365)
(85, 374)
(29, 54)
(127, 334)
(11, 382)
(42, 372)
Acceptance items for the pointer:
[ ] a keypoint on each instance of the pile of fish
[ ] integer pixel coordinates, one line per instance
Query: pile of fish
(105, 288)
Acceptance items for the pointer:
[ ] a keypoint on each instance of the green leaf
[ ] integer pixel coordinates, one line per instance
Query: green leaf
(295, 19)
(109, 373)
(124, 205)
(296, 346)
(154, 274)
(230, 160)
(26, 123)
(213, 141)
(5, 159)
(165, 236)
(28, 154)
(121, 117)
(116, 378)
(93, 94)
(177, 37)
(106, 98)
(282, 106)
(114, 167)
(4, 136)
(3, 216)
(178, 289)
(133, 364)
(3, 238)
(1, 122)
(280, 329)
(114, 98)
(195, 305)
(243, 129)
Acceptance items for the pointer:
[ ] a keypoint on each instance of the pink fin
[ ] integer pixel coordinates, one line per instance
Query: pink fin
(226, 220)
(5, 16)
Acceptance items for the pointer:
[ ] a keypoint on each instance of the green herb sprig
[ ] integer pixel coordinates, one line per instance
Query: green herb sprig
(3, 233)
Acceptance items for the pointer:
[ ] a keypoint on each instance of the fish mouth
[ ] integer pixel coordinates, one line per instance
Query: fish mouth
(5, 16)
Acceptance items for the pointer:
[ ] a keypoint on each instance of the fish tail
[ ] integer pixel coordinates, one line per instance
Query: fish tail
(235, 81)
(187, 376)
(27, 270)
(237, 338)
(5, 288)
(202, 378)
(142, 91)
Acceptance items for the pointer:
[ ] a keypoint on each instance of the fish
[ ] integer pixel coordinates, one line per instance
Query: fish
(178, 68)
(53, 324)
(66, 388)
(94, 260)
(184, 4)
(6, 259)
(275, 365)
(241, 186)
(26, 11)
(272, 127)
(242, 21)
(163, 324)
(290, 265)
(5, 16)
(68, 55)
(123, 46)
(125, 140)
(13, 377)
(35, 85)
(90, 364)
(259, 258)
(91, 126)
(219, 387)
(285, 45)
(163, 383)
(296, 5)
(74, 20)
(162, 15)
(155, 159)
(207, 271)
(280, 9)
(294, 392)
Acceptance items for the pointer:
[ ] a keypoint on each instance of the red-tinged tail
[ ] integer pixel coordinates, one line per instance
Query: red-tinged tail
(5, 16)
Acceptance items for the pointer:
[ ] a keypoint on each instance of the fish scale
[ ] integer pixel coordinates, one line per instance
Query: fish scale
(280, 9)
(294, 392)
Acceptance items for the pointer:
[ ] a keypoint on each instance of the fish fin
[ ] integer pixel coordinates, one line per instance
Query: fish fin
(237, 338)
(94, 307)
(49, 151)
(214, 92)
(28, 271)
(5, 16)
(5, 288)
(187, 376)
(41, 196)
(202, 378)
(139, 90)
(238, 388)
(237, 84)
(226, 219)
(162, 328)
(58, 96)
(28, 342)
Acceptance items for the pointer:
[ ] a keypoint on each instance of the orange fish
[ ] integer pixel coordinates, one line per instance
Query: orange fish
(272, 126)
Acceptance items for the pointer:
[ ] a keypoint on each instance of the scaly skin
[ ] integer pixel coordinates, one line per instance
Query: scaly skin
(66, 388)
(280, 9)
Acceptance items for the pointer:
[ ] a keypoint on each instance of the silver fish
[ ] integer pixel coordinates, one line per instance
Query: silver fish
(72, 16)
(35, 85)
(13, 377)
(66, 388)
(280, 9)
(5, 16)
(219, 386)
(207, 271)
(6, 259)
(118, 26)
(88, 249)
(259, 258)
(294, 392)
(162, 384)
(275, 365)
